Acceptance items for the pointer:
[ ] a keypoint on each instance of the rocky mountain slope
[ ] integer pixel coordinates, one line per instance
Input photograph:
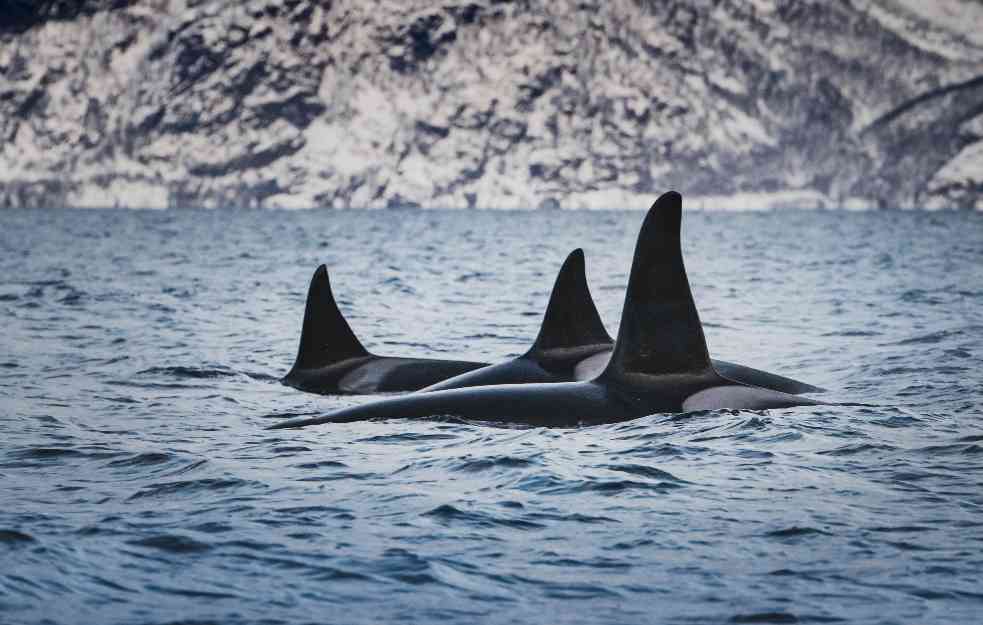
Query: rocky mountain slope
(492, 103)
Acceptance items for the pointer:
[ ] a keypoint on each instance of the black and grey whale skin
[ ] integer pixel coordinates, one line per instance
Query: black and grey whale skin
(331, 360)
(660, 361)
(573, 345)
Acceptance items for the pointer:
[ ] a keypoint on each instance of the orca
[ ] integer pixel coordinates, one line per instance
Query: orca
(573, 345)
(332, 361)
(660, 362)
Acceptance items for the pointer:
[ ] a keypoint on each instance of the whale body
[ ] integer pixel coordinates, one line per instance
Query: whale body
(573, 345)
(660, 362)
(331, 359)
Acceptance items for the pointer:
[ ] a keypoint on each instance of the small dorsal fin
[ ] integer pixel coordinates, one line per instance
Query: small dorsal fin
(326, 337)
(571, 318)
(660, 331)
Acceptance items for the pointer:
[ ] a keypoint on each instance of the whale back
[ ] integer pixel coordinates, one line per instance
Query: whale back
(660, 332)
(571, 323)
(326, 337)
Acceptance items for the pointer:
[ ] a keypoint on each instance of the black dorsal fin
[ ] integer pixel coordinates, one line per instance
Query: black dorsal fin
(660, 331)
(571, 320)
(326, 337)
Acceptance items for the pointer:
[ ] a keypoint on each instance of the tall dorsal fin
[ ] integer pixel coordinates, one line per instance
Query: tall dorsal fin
(326, 337)
(660, 331)
(571, 318)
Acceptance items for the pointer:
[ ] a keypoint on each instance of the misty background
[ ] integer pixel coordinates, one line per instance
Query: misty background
(491, 103)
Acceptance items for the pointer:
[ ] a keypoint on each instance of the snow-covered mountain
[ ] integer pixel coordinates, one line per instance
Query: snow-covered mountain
(491, 103)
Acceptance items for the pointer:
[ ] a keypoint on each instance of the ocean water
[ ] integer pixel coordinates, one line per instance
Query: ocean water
(139, 363)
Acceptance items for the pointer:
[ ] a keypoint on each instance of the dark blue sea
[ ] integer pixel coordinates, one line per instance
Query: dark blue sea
(139, 363)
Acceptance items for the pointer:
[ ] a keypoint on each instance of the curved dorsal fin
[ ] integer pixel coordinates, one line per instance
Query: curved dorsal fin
(660, 331)
(571, 318)
(326, 337)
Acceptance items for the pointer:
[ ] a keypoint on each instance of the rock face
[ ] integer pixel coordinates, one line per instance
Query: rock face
(491, 103)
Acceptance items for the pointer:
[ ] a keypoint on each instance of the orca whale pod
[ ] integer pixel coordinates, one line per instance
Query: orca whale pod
(660, 361)
(331, 359)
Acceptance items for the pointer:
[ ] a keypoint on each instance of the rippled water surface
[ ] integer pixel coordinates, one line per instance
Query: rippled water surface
(139, 361)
